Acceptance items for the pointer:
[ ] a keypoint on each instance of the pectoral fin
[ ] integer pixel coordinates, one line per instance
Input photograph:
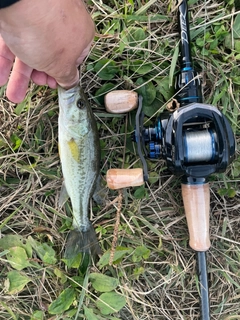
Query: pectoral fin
(99, 195)
(63, 196)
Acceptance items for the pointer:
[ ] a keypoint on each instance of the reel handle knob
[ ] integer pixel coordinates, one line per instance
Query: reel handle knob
(121, 101)
(122, 178)
(196, 199)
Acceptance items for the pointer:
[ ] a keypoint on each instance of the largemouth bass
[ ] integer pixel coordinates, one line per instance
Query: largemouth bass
(79, 151)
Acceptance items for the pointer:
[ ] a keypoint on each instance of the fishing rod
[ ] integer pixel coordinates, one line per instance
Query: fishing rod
(188, 88)
(195, 140)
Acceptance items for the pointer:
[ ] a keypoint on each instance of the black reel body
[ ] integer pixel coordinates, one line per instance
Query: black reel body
(195, 140)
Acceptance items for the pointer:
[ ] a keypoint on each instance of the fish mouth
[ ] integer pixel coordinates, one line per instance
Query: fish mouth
(69, 96)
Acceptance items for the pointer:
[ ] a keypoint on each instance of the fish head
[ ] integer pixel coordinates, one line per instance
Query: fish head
(74, 107)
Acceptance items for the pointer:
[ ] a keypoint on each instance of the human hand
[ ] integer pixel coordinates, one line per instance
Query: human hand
(47, 47)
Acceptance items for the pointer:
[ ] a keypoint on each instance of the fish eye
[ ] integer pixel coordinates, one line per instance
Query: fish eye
(80, 104)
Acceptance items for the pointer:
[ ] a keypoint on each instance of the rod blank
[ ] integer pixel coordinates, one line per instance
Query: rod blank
(203, 280)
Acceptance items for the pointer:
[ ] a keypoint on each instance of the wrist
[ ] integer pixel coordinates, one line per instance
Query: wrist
(7, 3)
(27, 13)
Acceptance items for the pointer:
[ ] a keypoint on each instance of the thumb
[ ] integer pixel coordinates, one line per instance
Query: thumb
(73, 77)
(69, 81)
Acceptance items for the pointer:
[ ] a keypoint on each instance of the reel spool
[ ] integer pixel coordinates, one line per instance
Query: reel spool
(200, 146)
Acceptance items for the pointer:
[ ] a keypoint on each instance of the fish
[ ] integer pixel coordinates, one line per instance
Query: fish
(79, 151)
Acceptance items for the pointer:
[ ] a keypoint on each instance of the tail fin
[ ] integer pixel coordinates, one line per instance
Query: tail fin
(82, 242)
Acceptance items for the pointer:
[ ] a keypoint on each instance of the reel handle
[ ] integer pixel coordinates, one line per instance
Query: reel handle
(196, 199)
(121, 101)
(122, 178)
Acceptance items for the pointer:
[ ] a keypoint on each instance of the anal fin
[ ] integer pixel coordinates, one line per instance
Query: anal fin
(63, 196)
(99, 195)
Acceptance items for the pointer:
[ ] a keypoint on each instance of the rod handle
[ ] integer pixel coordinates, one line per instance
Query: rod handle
(122, 178)
(196, 200)
(121, 101)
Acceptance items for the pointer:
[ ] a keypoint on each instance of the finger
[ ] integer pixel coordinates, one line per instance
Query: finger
(42, 79)
(52, 83)
(6, 62)
(18, 81)
(73, 77)
(70, 81)
(39, 77)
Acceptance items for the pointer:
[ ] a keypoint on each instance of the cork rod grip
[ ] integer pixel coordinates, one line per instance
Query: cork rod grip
(196, 199)
(122, 178)
(120, 101)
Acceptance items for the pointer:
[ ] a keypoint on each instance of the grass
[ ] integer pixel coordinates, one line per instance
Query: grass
(153, 269)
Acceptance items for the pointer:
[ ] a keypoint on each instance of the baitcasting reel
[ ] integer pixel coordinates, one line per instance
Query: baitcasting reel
(196, 140)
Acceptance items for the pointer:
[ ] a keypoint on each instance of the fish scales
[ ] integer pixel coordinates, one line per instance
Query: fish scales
(79, 151)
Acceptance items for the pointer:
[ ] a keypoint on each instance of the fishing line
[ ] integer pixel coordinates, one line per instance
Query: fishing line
(199, 146)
